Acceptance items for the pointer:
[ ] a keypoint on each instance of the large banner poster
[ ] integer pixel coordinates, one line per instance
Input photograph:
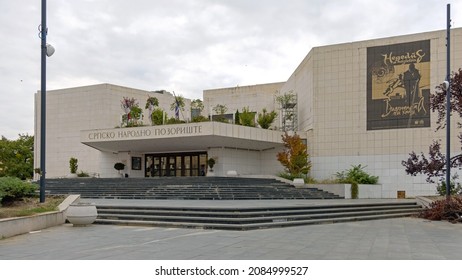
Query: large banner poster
(398, 86)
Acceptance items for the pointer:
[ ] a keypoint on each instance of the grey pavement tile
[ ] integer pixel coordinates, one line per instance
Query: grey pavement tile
(406, 238)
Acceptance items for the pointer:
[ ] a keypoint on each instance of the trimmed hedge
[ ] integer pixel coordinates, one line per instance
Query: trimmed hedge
(12, 188)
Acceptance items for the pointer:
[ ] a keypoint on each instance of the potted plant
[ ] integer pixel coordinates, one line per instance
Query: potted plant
(119, 167)
(73, 165)
(211, 163)
(151, 102)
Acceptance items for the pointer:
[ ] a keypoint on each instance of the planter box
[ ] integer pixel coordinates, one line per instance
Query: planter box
(298, 183)
(14, 226)
(344, 190)
(81, 214)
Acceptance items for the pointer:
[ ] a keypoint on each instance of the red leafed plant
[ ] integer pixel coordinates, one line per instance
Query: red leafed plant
(295, 155)
(449, 209)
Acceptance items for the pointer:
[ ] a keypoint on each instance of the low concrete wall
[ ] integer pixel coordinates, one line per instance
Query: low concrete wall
(423, 201)
(14, 226)
(344, 190)
(337, 189)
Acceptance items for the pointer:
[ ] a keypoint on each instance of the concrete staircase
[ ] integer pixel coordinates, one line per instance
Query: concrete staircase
(183, 188)
(232, 218)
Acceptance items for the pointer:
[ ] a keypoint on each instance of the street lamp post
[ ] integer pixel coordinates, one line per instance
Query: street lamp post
(447, 87)
(47, 50)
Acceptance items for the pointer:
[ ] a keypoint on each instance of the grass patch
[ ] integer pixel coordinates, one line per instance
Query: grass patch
(30, 206)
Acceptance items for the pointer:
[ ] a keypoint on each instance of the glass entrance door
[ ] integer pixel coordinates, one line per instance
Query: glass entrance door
(178, 164)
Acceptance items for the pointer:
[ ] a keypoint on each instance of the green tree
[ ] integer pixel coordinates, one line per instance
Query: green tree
(220, 109)
(197, 104)
(294, 157)
(151, 102)
(17, 157)
(265, 119)
(196, 110)
(287, 99)
(179, 102)
(236, 117)
(247, 118)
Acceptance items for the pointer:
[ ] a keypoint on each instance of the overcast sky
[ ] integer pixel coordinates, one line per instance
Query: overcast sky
(184, 46)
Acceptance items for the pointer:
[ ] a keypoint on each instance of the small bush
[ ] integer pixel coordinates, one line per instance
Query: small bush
(265, 119)
(291, 177)
(356, 174)
(158, 117)
(73, 165)
(247, 118)
(83, 174)
(456, 188)
(174, 120)
(445, 209)
(200, 118)
(14, 189)
(119, 166)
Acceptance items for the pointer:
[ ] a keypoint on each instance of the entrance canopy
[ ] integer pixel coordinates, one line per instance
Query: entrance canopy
(181, 137)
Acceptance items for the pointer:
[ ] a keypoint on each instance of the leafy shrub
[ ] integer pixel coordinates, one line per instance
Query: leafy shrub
(157, 117)
(291, 177)
(265, 119)
(220, 118)
(119, 166)
(199, 118)
(247, 118)
(287, 176)
(133, 112)
(12, 188)
(456, 188)
(211, 162)
(446, 209)
(173, 120)
(73, 165)
(83, 174)
(294, 157)
(356, 174)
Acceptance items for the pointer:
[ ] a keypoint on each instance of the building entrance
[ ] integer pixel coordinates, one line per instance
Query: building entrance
(176, 164)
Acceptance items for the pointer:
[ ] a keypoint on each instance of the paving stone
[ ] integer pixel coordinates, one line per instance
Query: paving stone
(394, 239)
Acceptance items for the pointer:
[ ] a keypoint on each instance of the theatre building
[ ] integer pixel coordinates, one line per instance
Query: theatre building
(355, 103)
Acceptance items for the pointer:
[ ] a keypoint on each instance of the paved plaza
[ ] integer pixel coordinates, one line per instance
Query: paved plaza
(403, 239)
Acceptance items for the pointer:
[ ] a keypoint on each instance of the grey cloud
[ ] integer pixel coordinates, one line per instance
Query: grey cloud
(185, 46)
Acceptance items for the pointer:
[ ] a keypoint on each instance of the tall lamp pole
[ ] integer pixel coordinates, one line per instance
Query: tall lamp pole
(447, 87)
(47, 50)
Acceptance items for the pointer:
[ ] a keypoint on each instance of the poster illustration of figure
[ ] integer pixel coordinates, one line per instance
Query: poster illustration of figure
(398, 86)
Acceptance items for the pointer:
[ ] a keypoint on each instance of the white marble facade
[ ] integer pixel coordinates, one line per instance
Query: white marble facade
(331, 84)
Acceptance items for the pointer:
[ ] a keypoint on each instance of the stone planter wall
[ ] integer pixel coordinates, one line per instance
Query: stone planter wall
(344, 190)
(15, 226)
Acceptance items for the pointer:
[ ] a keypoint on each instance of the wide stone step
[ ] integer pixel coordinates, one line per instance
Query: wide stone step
(250, 217)
(194, 188)
(248, 220)
(251, 226)
(242, 214)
